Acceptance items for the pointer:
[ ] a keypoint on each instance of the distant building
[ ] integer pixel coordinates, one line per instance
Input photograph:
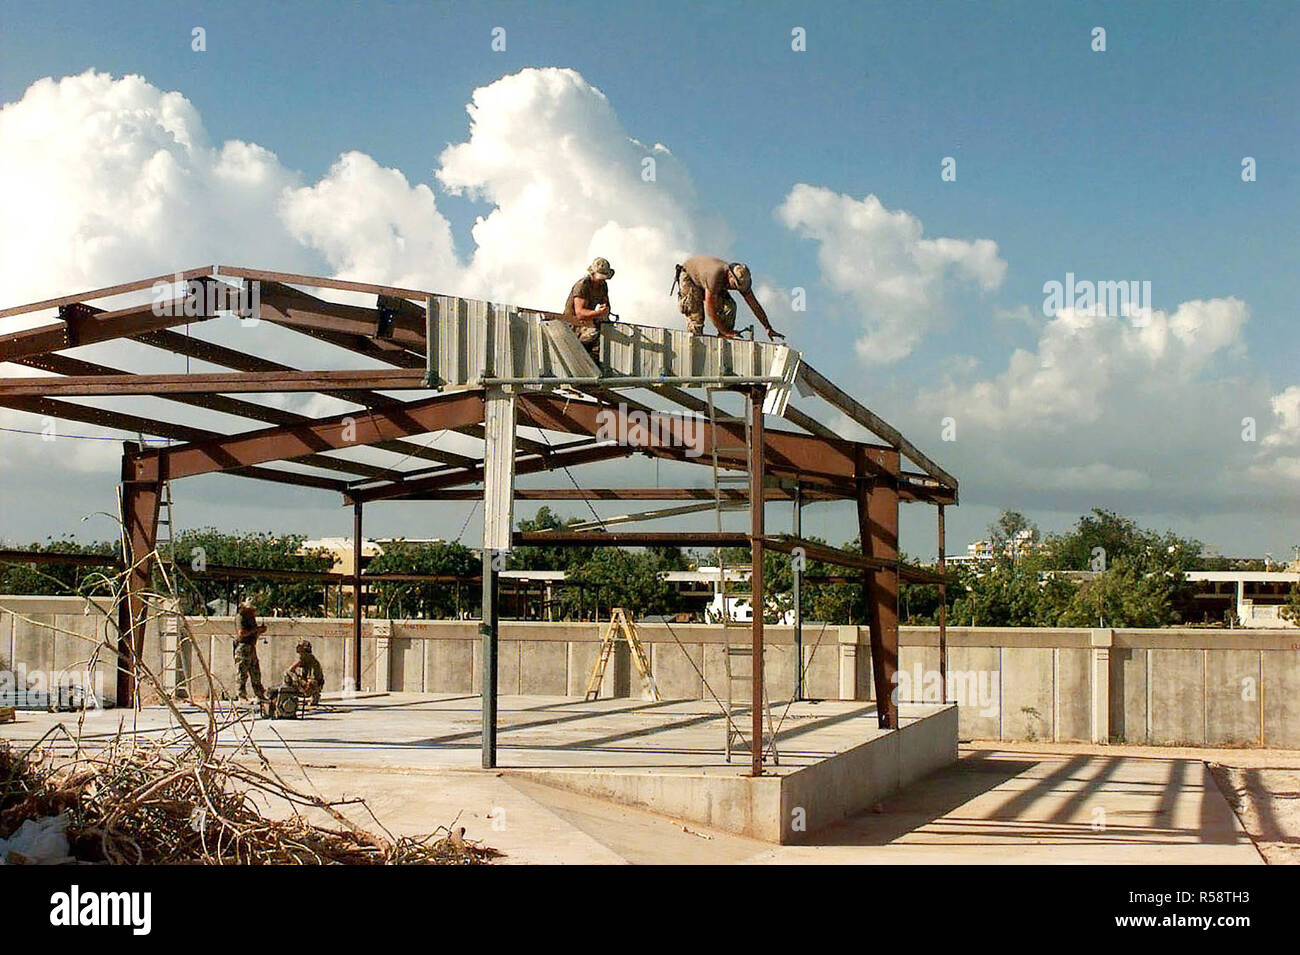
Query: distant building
(1255, 596)
(1019, 545)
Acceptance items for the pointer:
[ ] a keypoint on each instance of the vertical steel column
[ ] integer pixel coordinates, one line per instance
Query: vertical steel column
(488, 659)
(356, 595)
(498, 518)
(878, 529)
(798, 595)
(757, 598)
(943, 614)
(140, 502)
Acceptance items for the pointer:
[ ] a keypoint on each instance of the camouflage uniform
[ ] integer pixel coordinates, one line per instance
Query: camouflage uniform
(690, 299)
(246, 664)
(306, 677)
(593, 293)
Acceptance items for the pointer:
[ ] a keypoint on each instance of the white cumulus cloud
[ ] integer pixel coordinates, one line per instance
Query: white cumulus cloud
(881, 260)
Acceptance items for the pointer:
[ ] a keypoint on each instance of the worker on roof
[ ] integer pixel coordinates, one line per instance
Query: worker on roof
(704, 284)
(587, 306)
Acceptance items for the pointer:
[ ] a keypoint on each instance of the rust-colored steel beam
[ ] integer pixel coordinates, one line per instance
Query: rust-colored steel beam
(787, 454)
(85, 325)
(317, 281)
(106, 292)
(66, 365)
(878, 529)
(121, 421)
(415, 489)
(350, 430)
(199, 383)
(824, 553)
(831, 393)
(813, 550)
(214, 354)
(632, 538)
(9, 556)
(285, 305)
(625, 494)
(140, 501)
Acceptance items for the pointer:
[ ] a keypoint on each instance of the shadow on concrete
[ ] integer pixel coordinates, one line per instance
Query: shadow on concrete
(924, 802)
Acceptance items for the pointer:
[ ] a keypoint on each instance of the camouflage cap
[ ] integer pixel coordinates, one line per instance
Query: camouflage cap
(304, 646)
(739, 272)
(602, 268)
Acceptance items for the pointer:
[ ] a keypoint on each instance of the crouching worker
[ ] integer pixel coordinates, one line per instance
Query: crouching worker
(306, 677)
(587, 306)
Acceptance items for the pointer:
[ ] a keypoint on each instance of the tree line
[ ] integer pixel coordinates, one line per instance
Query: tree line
(1104, 571)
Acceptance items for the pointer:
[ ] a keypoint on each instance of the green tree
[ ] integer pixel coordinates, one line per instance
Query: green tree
(1010, 531)
(1291, 609)
(62, 579)
(428, 600)
(614, 577)
(207, 548)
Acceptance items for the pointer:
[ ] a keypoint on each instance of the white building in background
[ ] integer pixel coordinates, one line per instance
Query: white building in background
(980, 551)
(1256, 596)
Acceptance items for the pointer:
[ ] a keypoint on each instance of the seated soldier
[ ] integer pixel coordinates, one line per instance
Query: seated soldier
(306, 677)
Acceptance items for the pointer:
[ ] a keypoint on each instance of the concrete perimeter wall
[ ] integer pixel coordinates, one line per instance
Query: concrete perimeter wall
(1194, 687)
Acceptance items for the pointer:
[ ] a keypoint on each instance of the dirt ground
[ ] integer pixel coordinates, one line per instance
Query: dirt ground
(1261, 785)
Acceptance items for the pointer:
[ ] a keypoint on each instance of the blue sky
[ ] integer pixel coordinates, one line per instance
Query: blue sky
(1123, 164)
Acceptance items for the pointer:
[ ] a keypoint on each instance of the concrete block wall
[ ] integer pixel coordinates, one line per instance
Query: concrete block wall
(45, 640)
(1159, 687)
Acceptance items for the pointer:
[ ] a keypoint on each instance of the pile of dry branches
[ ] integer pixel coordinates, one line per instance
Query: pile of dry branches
(180, 798)
(173, 800)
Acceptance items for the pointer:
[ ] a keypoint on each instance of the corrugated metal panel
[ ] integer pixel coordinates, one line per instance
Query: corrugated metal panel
(472, 340)
(498, 468)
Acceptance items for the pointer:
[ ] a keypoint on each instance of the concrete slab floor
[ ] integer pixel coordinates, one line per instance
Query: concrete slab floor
(422, 731)
(412, 757)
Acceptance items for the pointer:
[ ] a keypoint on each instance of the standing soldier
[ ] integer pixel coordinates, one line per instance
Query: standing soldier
(704, 284)
(246, 665)
(306, 677)
(588, 304)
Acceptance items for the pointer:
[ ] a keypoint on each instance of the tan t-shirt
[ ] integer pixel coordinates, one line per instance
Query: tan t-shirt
(589, 290)
(708, 272)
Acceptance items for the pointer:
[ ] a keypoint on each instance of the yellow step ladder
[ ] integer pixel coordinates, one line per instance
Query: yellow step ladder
(620, 629)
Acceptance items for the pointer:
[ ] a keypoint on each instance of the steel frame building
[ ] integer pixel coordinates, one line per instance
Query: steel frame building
(481, 370)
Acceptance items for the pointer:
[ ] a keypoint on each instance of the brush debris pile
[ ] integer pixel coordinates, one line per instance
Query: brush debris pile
(177, 801)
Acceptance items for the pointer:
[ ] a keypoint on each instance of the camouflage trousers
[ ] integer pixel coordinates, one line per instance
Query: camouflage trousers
(589, 335)
(303, 685)
(247, 668)
(690, 299)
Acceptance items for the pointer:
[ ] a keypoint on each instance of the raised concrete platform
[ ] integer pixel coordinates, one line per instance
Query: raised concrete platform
(804, 793)
(666, 757)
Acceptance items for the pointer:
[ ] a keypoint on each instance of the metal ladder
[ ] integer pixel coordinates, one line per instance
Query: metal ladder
(173, 629)
(738, 658)
(620, 628)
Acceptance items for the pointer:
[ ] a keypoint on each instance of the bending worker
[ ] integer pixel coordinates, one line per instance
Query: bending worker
(704, 284)
(588, 304)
